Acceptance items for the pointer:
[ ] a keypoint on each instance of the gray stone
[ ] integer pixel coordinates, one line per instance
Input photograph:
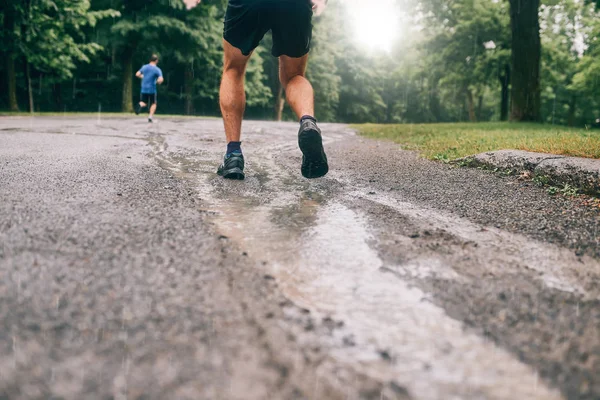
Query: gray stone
(512, 159)
(582, 173)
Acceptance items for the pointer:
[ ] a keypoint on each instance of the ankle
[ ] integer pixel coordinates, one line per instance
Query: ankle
(234, 147)
(309, 117)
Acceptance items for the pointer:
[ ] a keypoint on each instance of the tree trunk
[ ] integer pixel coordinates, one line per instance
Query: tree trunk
(57, 95)
(188, 88)
(434, 101)
(279, 103)
(572, 110)
(471, 106)
(10, 46)
(504, 83)
(526, 55)
(389, 112)
(127, 101)
(29, 90)
(479, 107)
(11, 81)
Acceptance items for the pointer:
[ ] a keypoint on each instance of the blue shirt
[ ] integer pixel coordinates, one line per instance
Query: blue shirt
(151, 74)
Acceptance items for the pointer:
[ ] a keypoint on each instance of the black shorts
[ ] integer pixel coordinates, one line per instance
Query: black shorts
(148, 98)
(290, 21)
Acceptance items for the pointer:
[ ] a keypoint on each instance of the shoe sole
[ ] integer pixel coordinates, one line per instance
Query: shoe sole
(314, 162)
(234, 174)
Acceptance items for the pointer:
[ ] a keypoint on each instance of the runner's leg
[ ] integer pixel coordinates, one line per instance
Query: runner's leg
(153, 107)
(232, 96)
(141, 104)
(298, 90)
(300, 96)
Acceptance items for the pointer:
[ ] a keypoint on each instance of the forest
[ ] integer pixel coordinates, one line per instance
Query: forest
(451, 61)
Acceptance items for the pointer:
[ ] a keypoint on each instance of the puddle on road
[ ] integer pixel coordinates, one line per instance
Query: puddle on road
(324, 263)
(319, 252)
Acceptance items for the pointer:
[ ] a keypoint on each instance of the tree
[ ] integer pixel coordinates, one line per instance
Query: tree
(53, 41)
(526, 57)
(322, 69)
(198, 52)
(466, 46)
(586, 81)
(9, 46)
(563, 36)
(361, 91)
(49, 36)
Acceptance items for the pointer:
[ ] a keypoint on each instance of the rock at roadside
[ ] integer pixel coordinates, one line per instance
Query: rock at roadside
(582, 173)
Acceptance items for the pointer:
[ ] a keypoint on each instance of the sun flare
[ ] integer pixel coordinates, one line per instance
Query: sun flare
(375, 22)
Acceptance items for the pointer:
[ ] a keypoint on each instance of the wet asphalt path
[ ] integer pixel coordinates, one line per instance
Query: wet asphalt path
(129, 270)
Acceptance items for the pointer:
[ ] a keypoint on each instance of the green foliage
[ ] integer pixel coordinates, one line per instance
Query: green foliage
(48, 34)
(361, 88)
(322, 69)
(568, 85)
(257, 92)
(450, 62)
(587, 77)
(566, 190)
(468, 43)
(541, 180)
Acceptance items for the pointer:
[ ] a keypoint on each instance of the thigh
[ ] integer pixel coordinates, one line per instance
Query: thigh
(292, 27)
(245, 24)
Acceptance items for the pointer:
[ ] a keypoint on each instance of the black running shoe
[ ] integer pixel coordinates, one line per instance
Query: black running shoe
(150, 120)
(232, 167)
(314, 160)
(138, 108)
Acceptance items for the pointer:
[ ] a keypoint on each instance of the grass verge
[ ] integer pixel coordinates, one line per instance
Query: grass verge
(449, 141)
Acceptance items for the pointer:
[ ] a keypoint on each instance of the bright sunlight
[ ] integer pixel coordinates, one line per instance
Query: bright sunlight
(375, 22)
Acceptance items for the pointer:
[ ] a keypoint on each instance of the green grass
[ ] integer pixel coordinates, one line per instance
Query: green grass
(451, 141)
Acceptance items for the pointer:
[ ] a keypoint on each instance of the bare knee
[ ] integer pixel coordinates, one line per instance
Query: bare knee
(291, 68)
(288, 74)
(234, 62)
(288, 71)
(287, 79)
